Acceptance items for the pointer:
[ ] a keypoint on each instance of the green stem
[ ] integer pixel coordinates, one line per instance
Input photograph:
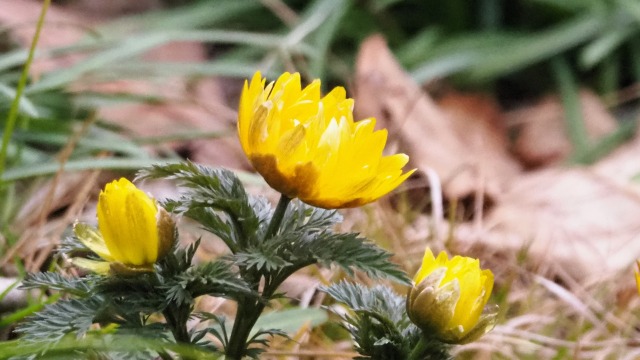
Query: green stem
(246, 317)
(249, 310)
(277, 217)
(416, 353)
(430, 348)
(12, 117)
(177, 321)
(248, 313)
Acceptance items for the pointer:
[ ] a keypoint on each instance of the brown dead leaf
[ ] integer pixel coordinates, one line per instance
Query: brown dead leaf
(542, 138)
(189, 108)
(462, 145)
(572, 221)
(622, 166)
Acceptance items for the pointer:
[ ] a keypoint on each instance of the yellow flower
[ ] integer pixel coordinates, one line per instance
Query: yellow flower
(638, 276)
(309, 147)
(449, 296)
(133, 231)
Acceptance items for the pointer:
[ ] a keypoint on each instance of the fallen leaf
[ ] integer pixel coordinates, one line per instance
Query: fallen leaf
(542, 137)
(467, 151)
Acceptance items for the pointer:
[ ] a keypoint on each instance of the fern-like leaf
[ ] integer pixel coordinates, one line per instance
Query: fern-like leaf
(379, 325)
(212, 278)
(217, 189)
(55, 281)
(349, 251)
(64, 317)
(178, 260)
(259, 339)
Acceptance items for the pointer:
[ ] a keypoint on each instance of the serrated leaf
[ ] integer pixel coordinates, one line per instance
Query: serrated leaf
(55, 281)
(178, 260)
(105, 343)
(217, 189)
(212, 278)
(378, 322)
(352, 252)
(57, 320)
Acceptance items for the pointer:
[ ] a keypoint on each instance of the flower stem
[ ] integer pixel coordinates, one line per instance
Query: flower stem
(428, 348)
(176, 318)
(277, 217)
(417, 351)
(246, 316)
(249, 310)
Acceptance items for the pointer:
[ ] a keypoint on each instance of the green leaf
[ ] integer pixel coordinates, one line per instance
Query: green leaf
(215, 189)
(212, 278)
(349, 251)
(380, 299)
(61, 318)
(178, 260)
(277, 323)
(220, 330)
(305, 238)
(55, 281)
(291, 320)
(130, 297)
(72, 348)
(52, 167)
(379, 323)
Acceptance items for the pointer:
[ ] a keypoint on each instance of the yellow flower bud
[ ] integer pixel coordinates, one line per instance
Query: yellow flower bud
(449, 296)
(309, 147)
(133, 233)
(638, 276)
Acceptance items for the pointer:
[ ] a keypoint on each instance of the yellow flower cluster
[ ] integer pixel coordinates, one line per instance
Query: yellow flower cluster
(449, 296)
(309, 147)
(133, 231)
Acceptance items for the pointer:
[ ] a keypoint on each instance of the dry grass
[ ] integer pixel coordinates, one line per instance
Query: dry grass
(560, 240)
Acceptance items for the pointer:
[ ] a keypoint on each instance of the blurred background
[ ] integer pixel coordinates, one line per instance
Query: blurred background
(520, 116)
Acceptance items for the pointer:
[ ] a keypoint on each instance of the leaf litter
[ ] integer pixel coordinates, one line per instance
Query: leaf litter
(576, 225)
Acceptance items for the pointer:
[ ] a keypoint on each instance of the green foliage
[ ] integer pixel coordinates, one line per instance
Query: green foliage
(263, 253)
(260, 339)
(379, 324)
(97, 345)
(298, 236)
(130, 300)
(60, 319)
(56, 281)
(212, 278)
(217, 200)
(219, 330)
(208, 192)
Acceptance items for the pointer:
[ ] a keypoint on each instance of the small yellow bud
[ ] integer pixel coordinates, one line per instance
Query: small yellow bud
(133, 233)
(449, 296)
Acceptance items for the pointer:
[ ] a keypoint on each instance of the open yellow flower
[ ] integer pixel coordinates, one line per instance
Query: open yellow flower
(309, 147)
(449, 296)
(133, 231)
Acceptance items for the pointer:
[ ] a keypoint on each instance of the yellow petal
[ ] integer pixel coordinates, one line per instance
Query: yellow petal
(91, 238)
(449, 297)
(127, 222)
(285, 130)
(638, 276)
(99, 267)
